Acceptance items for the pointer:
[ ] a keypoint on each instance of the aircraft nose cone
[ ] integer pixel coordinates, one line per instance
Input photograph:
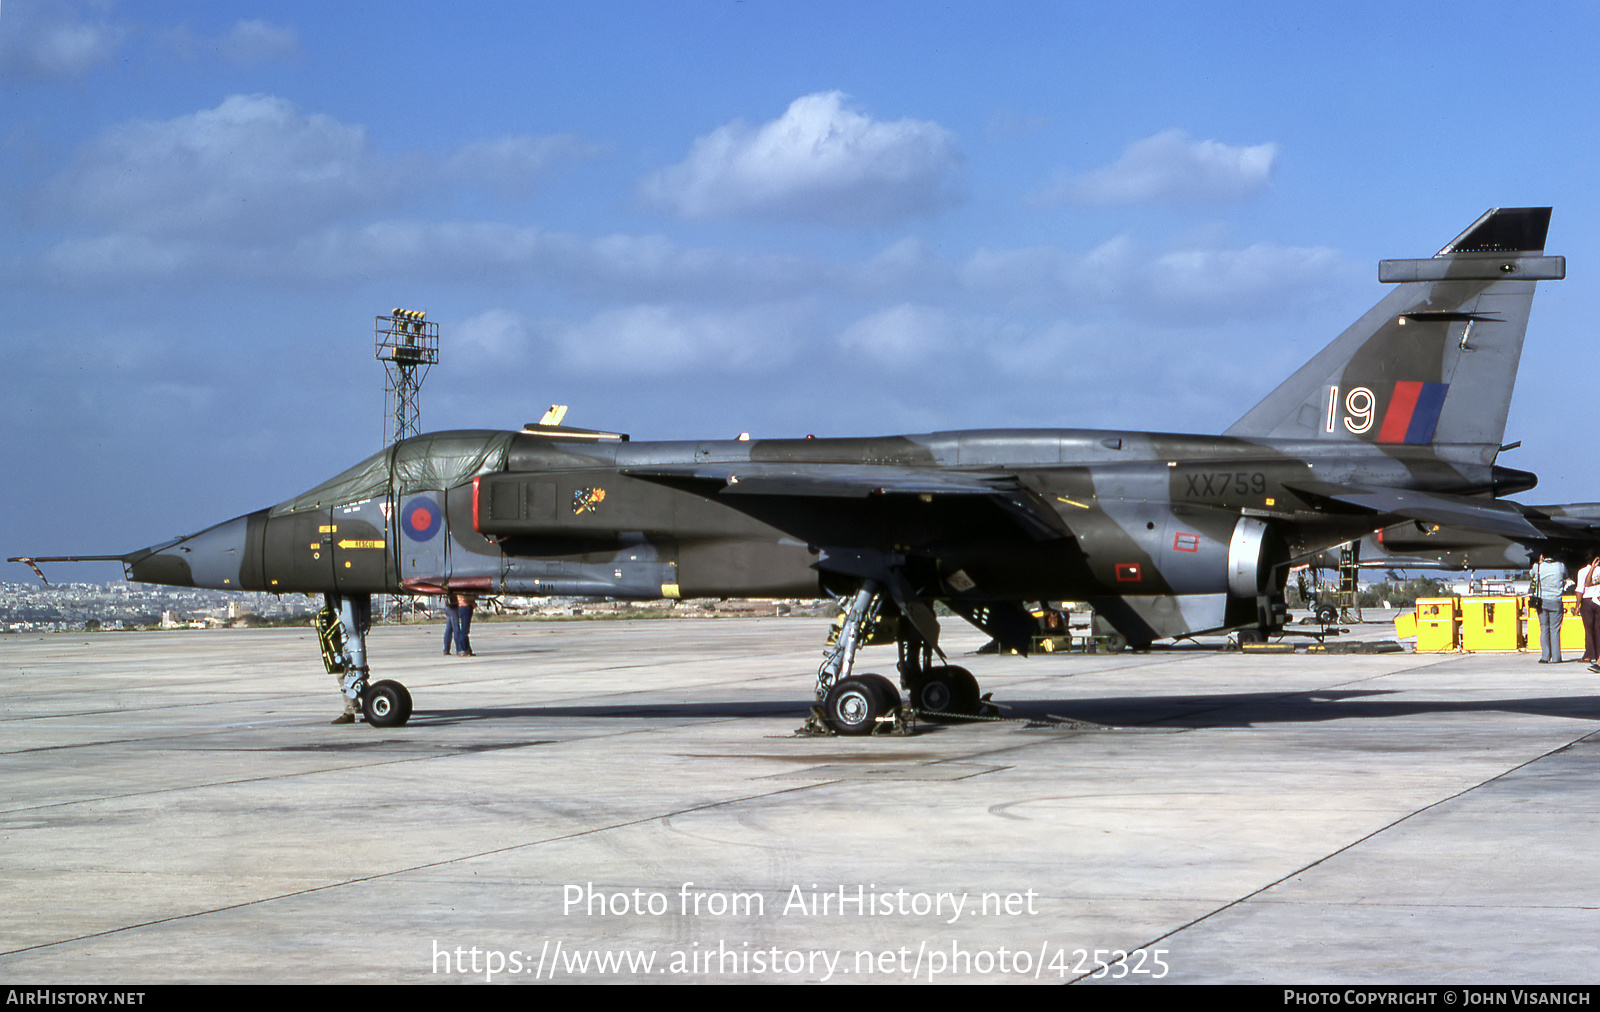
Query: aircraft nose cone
(211, 558)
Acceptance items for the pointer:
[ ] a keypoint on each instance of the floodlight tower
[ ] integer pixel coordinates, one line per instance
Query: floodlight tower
(407, 345)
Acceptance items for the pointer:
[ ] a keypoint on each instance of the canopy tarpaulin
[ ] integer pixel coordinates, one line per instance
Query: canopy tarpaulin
(442, 460)
(435, 462)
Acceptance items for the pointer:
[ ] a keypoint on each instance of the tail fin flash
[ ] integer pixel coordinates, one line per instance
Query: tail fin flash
(1436, 360)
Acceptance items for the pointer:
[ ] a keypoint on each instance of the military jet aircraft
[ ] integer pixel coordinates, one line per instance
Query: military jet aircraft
(1400, 417)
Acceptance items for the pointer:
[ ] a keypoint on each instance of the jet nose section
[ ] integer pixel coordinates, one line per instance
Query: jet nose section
(213, 558)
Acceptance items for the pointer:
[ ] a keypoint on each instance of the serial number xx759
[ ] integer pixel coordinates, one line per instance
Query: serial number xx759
(1209, 485)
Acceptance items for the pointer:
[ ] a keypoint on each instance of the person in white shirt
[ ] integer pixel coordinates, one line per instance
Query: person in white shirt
(1589, 609)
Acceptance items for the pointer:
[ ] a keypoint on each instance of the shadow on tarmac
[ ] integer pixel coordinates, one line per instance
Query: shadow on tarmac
(1245, 709)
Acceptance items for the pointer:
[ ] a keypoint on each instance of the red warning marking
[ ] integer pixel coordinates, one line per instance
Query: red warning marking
(1186, 542)
(1127, 572)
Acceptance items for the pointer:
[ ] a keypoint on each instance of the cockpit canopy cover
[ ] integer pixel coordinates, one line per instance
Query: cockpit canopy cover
(433, 462)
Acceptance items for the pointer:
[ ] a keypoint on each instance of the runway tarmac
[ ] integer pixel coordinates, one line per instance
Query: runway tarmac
(626, 801)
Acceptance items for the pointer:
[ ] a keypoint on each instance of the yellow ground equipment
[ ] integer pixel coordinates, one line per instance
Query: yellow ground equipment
(1437, 624)
(1491, 624)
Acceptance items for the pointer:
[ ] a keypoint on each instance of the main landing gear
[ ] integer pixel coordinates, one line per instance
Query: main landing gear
(869, 703)
(342, 627)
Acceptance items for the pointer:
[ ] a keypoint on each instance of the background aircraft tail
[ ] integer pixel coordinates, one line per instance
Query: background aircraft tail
(1433, 362)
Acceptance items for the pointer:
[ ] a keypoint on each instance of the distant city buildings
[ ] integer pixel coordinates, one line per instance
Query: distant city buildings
(63, 607)
(70, 607)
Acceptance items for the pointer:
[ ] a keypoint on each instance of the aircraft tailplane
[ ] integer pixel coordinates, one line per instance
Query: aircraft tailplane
(1434, 361)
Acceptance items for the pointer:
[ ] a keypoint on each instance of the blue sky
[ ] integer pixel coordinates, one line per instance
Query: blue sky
(690, 220)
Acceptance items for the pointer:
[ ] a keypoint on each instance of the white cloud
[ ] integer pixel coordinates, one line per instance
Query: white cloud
(1202, 285)
(1044, 272)
(510, 165)
(906, 264)
(1174, 168)
(496, 335)
(1062, 350)
(954, 348)
(256, 189)
(246, 43)
(254, 172)
(42, 41)
(819, 161)
(1110, 274)
(1194, 284)
(638, 267)
(1219, 283)
(257, 41)
(122, 257)
(625, 267)
(253, 162)
(658, 339)
(904, 336)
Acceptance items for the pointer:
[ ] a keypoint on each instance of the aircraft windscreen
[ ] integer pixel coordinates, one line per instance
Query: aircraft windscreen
(434, 462)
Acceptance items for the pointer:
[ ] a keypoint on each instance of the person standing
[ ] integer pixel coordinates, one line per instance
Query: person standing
(464, 605)
(452, 622)
(1549, 582)
(1589, 609)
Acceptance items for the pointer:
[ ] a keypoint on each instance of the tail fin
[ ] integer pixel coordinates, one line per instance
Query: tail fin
(1435, 361)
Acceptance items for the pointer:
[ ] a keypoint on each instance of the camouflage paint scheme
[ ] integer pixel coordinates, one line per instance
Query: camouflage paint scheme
(967, 516)
(1400, 418)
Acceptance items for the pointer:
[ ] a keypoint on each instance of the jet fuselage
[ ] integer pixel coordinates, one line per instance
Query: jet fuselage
(1070, 515)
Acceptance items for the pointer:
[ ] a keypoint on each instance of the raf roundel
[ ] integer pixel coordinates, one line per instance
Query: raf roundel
(420, 519)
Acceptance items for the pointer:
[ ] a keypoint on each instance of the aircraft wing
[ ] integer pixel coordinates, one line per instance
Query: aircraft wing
(1575, 525)
(1576, 521)
(1491, 516)
(740, 479)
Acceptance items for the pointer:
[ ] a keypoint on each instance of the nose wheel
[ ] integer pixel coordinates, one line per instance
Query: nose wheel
(386, 704)
(342, 627)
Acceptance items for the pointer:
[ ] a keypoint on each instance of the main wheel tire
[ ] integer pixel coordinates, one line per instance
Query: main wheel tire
(946, 693)
(888, 695)
(854, 705)
(386, 704)
(405, 701)
(1327, 614)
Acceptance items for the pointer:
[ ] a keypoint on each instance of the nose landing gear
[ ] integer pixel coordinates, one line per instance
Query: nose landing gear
(342, 626)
